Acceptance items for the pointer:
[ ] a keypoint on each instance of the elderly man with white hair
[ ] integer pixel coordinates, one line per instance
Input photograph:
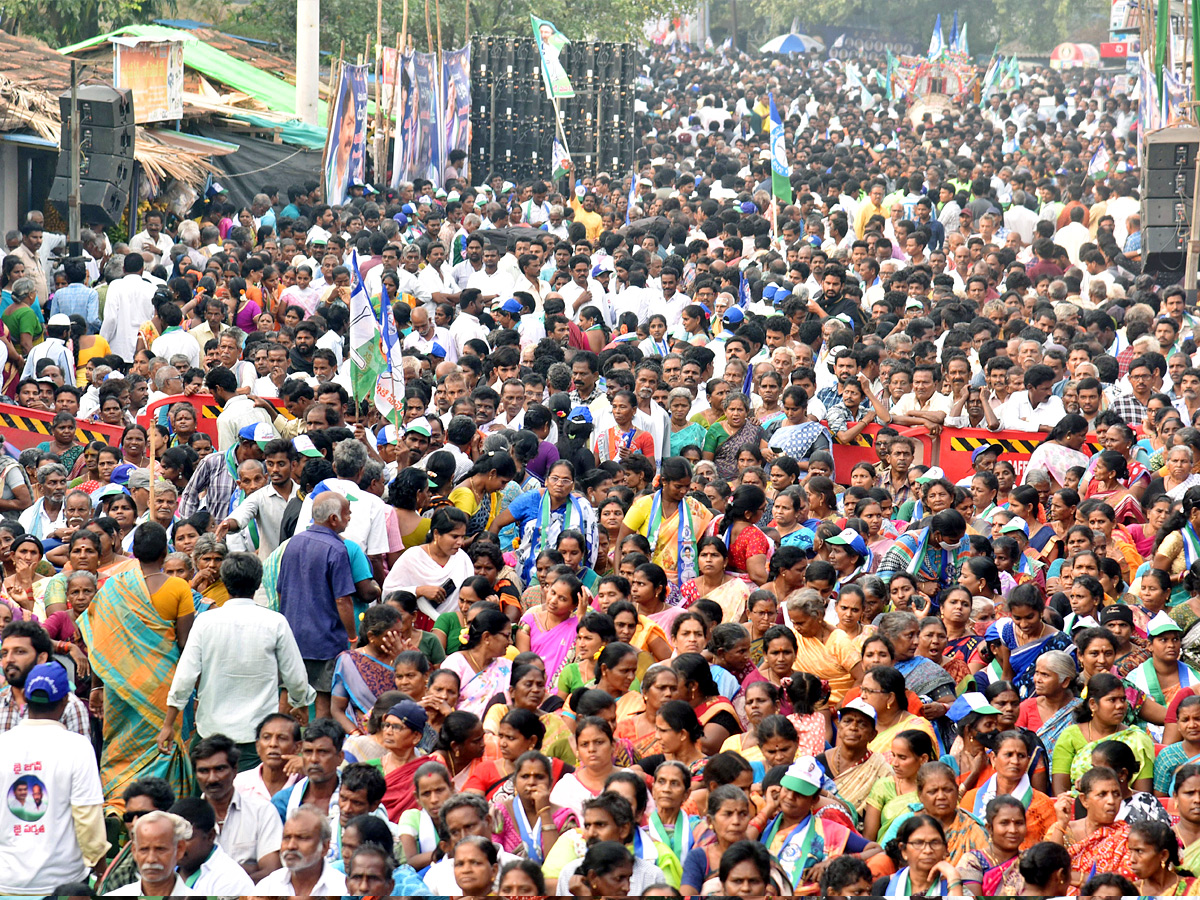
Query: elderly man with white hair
(305, 872)
(159, 840)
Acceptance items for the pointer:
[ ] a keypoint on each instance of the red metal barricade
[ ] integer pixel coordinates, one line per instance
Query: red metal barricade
(26, 428)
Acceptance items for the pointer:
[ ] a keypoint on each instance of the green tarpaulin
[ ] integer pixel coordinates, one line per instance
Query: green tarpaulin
(278, 95)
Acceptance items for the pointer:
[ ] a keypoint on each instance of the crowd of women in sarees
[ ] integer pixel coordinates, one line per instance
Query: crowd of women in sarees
(720, 710)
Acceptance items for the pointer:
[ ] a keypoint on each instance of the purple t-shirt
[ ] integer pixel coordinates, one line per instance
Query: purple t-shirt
(547, 456)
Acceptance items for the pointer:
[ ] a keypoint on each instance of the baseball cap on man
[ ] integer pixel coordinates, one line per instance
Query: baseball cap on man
(47, 683)
(419, 425)
(260, 432)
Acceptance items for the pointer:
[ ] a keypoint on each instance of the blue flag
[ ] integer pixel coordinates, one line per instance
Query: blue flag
(632, 195)
(743, 291)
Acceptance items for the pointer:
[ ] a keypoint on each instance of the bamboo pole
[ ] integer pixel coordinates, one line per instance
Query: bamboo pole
(380, 136)
(437, 11)
(467, 23)
(428, 28)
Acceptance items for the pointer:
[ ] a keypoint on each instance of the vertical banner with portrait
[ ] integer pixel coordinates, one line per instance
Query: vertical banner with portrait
(427, 150)
(345, 151)
(456, 106)
(404, 110)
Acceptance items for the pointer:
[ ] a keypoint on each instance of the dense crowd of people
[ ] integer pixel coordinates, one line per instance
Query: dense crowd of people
(596, 611)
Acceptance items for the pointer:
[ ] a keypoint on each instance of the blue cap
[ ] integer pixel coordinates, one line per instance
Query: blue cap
(120, 474)
(437, 350)
(512, 306)
(733, 314)
(970, 702)
(47, 683)
(411, 714)
(259, 432)
(782, 294)
(749, 208)
(986, 448)
(769, 291)
(580, 414)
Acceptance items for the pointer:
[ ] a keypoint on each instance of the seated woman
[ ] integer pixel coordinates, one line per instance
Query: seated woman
(891, 794)
(1097, 842)
(362, 674)
(697, 688)
(533, 777)
(851, 764)
(1103, 715)
(919, 852)
(658, 685)
(937, 796)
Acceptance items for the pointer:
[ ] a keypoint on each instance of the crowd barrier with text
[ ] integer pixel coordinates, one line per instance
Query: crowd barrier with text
(26, 428)
(950, 449)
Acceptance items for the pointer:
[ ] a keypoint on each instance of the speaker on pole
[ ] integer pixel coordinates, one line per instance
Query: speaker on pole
(1168, 191)
(107, 134)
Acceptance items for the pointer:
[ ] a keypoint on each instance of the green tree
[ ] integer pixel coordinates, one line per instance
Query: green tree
(353, 21)
(63, 22)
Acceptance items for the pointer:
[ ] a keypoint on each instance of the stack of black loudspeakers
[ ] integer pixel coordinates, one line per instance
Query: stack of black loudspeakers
(1168, 189)
(512, 119)
(106, 133)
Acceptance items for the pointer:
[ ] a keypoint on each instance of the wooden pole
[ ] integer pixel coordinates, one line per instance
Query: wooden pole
(428, 28)
(467, 23)
(437, 11)
(380, 136)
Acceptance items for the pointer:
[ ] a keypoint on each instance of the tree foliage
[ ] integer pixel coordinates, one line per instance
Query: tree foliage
(63, 22)
(353, 21)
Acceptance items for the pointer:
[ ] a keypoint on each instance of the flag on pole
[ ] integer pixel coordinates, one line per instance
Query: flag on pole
(781, 171)
(550, 43)
(1099, 161)
(837, 44)
(952, 39)
(743, 291)
(962, 41)
(389, 385)
(367, 360)
(559, 160)
(892, 65)
(866, 99)
(632, 196)
(1161, 39)
(936, 45)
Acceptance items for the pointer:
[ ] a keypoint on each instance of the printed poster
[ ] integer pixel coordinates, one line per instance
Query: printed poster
(153, 70)
(456, 105)
(346, 159)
